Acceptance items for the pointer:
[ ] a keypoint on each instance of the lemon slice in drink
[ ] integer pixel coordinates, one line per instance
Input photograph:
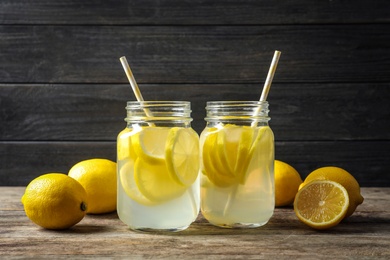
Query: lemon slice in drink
(125, 149)
(211, 164)
(233, 148)
(155, 182)
(213, 145)
(262, 146)
(243, 152)
(227, 146)
(182, 155)
(321, 204)
(234, 151)
(126, 174)
(126, 158)
(149, 144)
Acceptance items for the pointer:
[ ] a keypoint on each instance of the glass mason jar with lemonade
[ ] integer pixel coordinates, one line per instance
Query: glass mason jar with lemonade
(158, 167)
(237, 161)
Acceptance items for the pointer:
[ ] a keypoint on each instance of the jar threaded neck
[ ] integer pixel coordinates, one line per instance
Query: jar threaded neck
(158, 111)
(250, 111)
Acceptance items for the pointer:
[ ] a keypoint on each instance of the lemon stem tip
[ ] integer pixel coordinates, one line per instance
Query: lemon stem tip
(83, 206)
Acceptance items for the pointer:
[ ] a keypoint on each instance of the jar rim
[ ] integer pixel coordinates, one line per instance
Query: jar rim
(154, 102)
(236, 103)
(237, 110)
(158, 111)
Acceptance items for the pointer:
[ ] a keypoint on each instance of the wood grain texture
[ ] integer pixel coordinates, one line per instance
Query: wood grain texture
(80, 112)
(63, 90)
(194, 54)
(196, 12)
(367, 161)
(366, 234)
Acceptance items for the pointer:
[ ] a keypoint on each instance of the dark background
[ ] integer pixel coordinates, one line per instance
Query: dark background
(63, 90)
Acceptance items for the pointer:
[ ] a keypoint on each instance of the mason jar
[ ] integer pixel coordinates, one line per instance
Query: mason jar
(237, 164)
(158, 167)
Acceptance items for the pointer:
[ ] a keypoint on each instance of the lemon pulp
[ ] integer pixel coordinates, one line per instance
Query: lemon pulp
(321, 204)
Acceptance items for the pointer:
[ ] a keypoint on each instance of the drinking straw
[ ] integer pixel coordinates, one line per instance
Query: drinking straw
(270, 76)
(131, 79)
(139, 98)
(134, 85)
(268, 81)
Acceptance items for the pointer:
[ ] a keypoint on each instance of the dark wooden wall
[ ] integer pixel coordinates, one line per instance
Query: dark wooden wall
(63, 90)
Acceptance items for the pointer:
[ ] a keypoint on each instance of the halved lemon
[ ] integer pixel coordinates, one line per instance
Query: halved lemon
(155, 182)
(321, 204)
(182, 155)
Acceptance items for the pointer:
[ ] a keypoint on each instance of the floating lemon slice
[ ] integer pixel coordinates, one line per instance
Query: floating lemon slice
(213, 174)
(321, 204)
(226, 149)
(212, 166)
(149, 143)
(125, 149)
(228, 152)
(244, 152)
(155, 182)
(263, 143)
(126, 174)
(182, 155)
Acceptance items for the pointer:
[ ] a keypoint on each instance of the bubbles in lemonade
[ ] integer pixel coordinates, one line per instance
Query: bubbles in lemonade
(237, 182)
(158, 180)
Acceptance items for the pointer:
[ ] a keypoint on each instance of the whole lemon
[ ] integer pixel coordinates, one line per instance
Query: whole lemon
(287, 181)
(342, 177)
(55, 201)
(98, 177)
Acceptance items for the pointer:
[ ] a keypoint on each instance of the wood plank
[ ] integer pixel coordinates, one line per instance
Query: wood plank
(81, 112)
(367, 161)
(364, 235)
(197, 12)
(194, 54)
(23, 161)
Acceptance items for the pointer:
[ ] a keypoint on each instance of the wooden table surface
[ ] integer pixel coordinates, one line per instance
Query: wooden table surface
(366, 234)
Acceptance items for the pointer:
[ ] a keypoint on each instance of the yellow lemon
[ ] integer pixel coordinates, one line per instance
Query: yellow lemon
(344, 178)
(55, 201)
(98, 177)
(321, 204)
(287, 181)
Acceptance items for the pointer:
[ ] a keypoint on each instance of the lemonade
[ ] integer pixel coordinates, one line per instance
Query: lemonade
(237, 181)
(158, 170)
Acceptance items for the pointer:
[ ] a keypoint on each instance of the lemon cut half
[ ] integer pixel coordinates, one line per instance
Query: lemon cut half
(321, 204)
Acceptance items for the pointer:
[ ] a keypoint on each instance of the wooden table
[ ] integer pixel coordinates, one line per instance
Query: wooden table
(366, 234)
